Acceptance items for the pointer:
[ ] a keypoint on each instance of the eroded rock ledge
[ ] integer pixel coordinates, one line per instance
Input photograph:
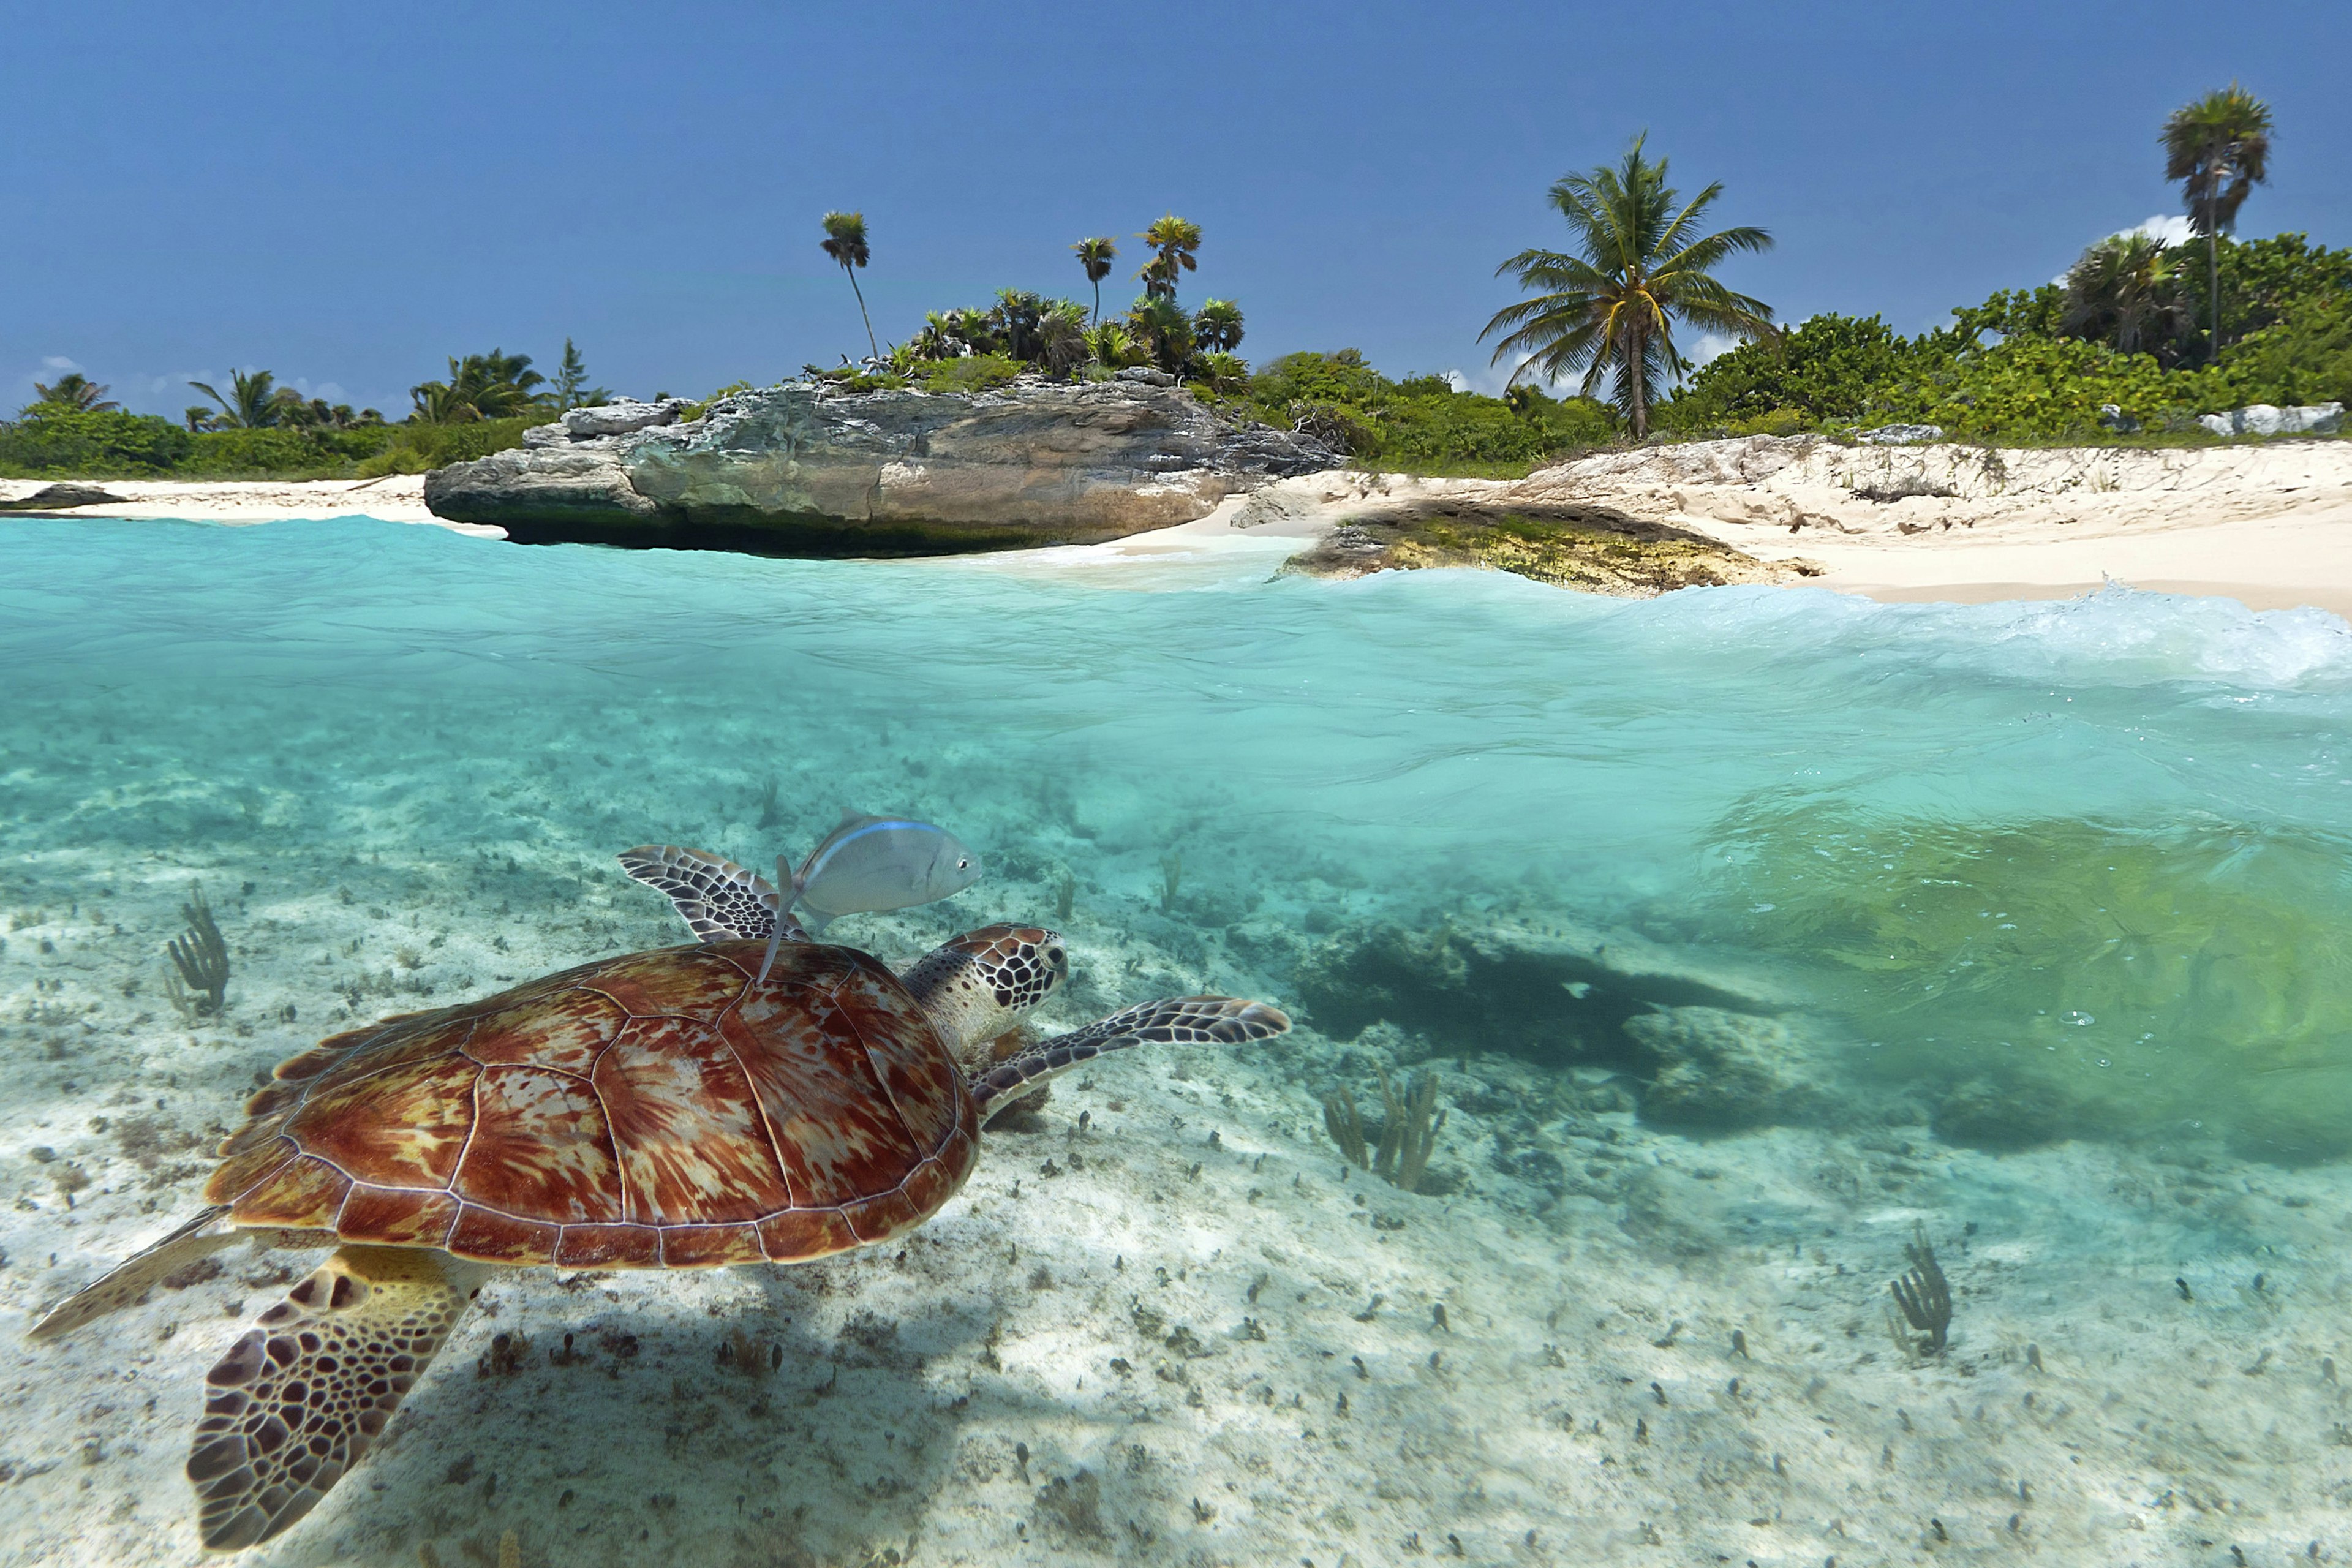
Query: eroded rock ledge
(803, 470)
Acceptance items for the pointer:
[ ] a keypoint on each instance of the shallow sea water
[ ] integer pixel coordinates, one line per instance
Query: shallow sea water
(1747, 936)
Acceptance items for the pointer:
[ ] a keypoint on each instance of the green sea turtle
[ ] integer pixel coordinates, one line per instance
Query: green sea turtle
(663, 1109)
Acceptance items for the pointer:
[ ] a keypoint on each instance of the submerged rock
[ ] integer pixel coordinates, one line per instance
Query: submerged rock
(804, 469)
(1713, 1068)
(1552, 991)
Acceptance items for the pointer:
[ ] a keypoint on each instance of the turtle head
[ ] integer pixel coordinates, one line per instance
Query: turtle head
(981, 986)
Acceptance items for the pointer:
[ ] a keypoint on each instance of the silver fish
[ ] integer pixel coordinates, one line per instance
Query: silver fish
(870, 864)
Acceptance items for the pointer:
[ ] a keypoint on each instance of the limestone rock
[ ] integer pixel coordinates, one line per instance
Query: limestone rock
(807, 469)
(1713, 1068)
(1901, 435)
(619, 418)
(2263, 419)
(56, 498)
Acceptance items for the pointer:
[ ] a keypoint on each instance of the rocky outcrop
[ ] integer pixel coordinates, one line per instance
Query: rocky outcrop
(2263, 419)
(806, 469)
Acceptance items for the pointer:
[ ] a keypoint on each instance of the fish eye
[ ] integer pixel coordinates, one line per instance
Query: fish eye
(964, 865)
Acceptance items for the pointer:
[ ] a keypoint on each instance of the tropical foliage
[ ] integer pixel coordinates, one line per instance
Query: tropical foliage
(495, 386)
(76, 392)
(1422, 424)
(2046, 364)
(1096, 256)
(1606, 310)
(2219, 149)
(1173, 241)
(844, 241)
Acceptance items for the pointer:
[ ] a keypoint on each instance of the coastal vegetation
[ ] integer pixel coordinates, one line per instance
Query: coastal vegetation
(2132, 344)
(255, 427)
(1607, 309)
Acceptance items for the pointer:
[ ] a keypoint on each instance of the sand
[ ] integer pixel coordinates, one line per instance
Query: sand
(398, 497)
(2269, 524)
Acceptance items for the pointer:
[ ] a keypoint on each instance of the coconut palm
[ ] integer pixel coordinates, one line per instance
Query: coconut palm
(1218, 326)
(1096, 256)
(2219, 148)
(1641, 264)
(844, 241)
(75, 393)
(1173, 240)
(495, 386)
(2126, 291)
(256, 401)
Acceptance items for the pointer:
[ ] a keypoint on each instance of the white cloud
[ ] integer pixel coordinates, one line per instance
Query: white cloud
(1710, 346)
(2168, 228)
(59, 362)
(2172, 228)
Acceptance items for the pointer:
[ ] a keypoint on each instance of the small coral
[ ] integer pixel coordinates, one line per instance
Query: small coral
(1924, 1297)
(202, 959)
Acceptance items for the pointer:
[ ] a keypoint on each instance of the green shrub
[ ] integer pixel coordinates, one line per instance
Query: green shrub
(1422, 424)
(976, 372)
(282, 452)
(1831, 368)
(50, 442)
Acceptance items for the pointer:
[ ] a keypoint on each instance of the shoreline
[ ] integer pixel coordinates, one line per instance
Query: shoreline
(2268, 526)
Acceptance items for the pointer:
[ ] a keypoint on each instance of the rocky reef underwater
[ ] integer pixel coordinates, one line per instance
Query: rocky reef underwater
(1777, 1079)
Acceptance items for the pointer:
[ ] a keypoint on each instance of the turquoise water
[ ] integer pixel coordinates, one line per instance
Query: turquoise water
(2014, 874)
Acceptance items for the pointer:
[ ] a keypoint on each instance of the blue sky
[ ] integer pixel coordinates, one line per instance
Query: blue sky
(346, 195)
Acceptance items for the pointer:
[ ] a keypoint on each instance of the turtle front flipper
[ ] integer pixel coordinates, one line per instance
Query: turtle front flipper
(302, 1395)
(1177, 1021)
(719, 900)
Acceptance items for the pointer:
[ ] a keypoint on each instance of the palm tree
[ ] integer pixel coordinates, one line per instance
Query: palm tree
(1175, 240)
(1641, 264)
(1161, 329)
(75, 393)
(1062, 345)
(256, 402)
(2219, 148)
(844, 241)
(2126, 291)
(1096, 256)
(495, 386)
(1218, 325)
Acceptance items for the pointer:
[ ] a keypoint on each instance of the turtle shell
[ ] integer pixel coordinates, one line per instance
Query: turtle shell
(658, 1111)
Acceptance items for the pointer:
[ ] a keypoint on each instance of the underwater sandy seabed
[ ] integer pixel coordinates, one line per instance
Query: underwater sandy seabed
(1464, 829)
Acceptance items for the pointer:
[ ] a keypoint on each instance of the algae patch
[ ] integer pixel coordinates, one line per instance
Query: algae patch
(1595, 549)
(2043, 979)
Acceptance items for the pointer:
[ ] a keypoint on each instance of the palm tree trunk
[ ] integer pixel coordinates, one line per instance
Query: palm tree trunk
(871, 346)
(1098, 317)
(1636, 373)
(2213, 283)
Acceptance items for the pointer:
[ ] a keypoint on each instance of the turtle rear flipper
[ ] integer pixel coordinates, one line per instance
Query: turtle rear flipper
(1178, 1021)
(718, 901)
(118, 1287)
(302, 1395)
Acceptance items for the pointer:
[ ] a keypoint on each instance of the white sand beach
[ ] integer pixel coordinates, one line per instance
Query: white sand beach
(2269, 525)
